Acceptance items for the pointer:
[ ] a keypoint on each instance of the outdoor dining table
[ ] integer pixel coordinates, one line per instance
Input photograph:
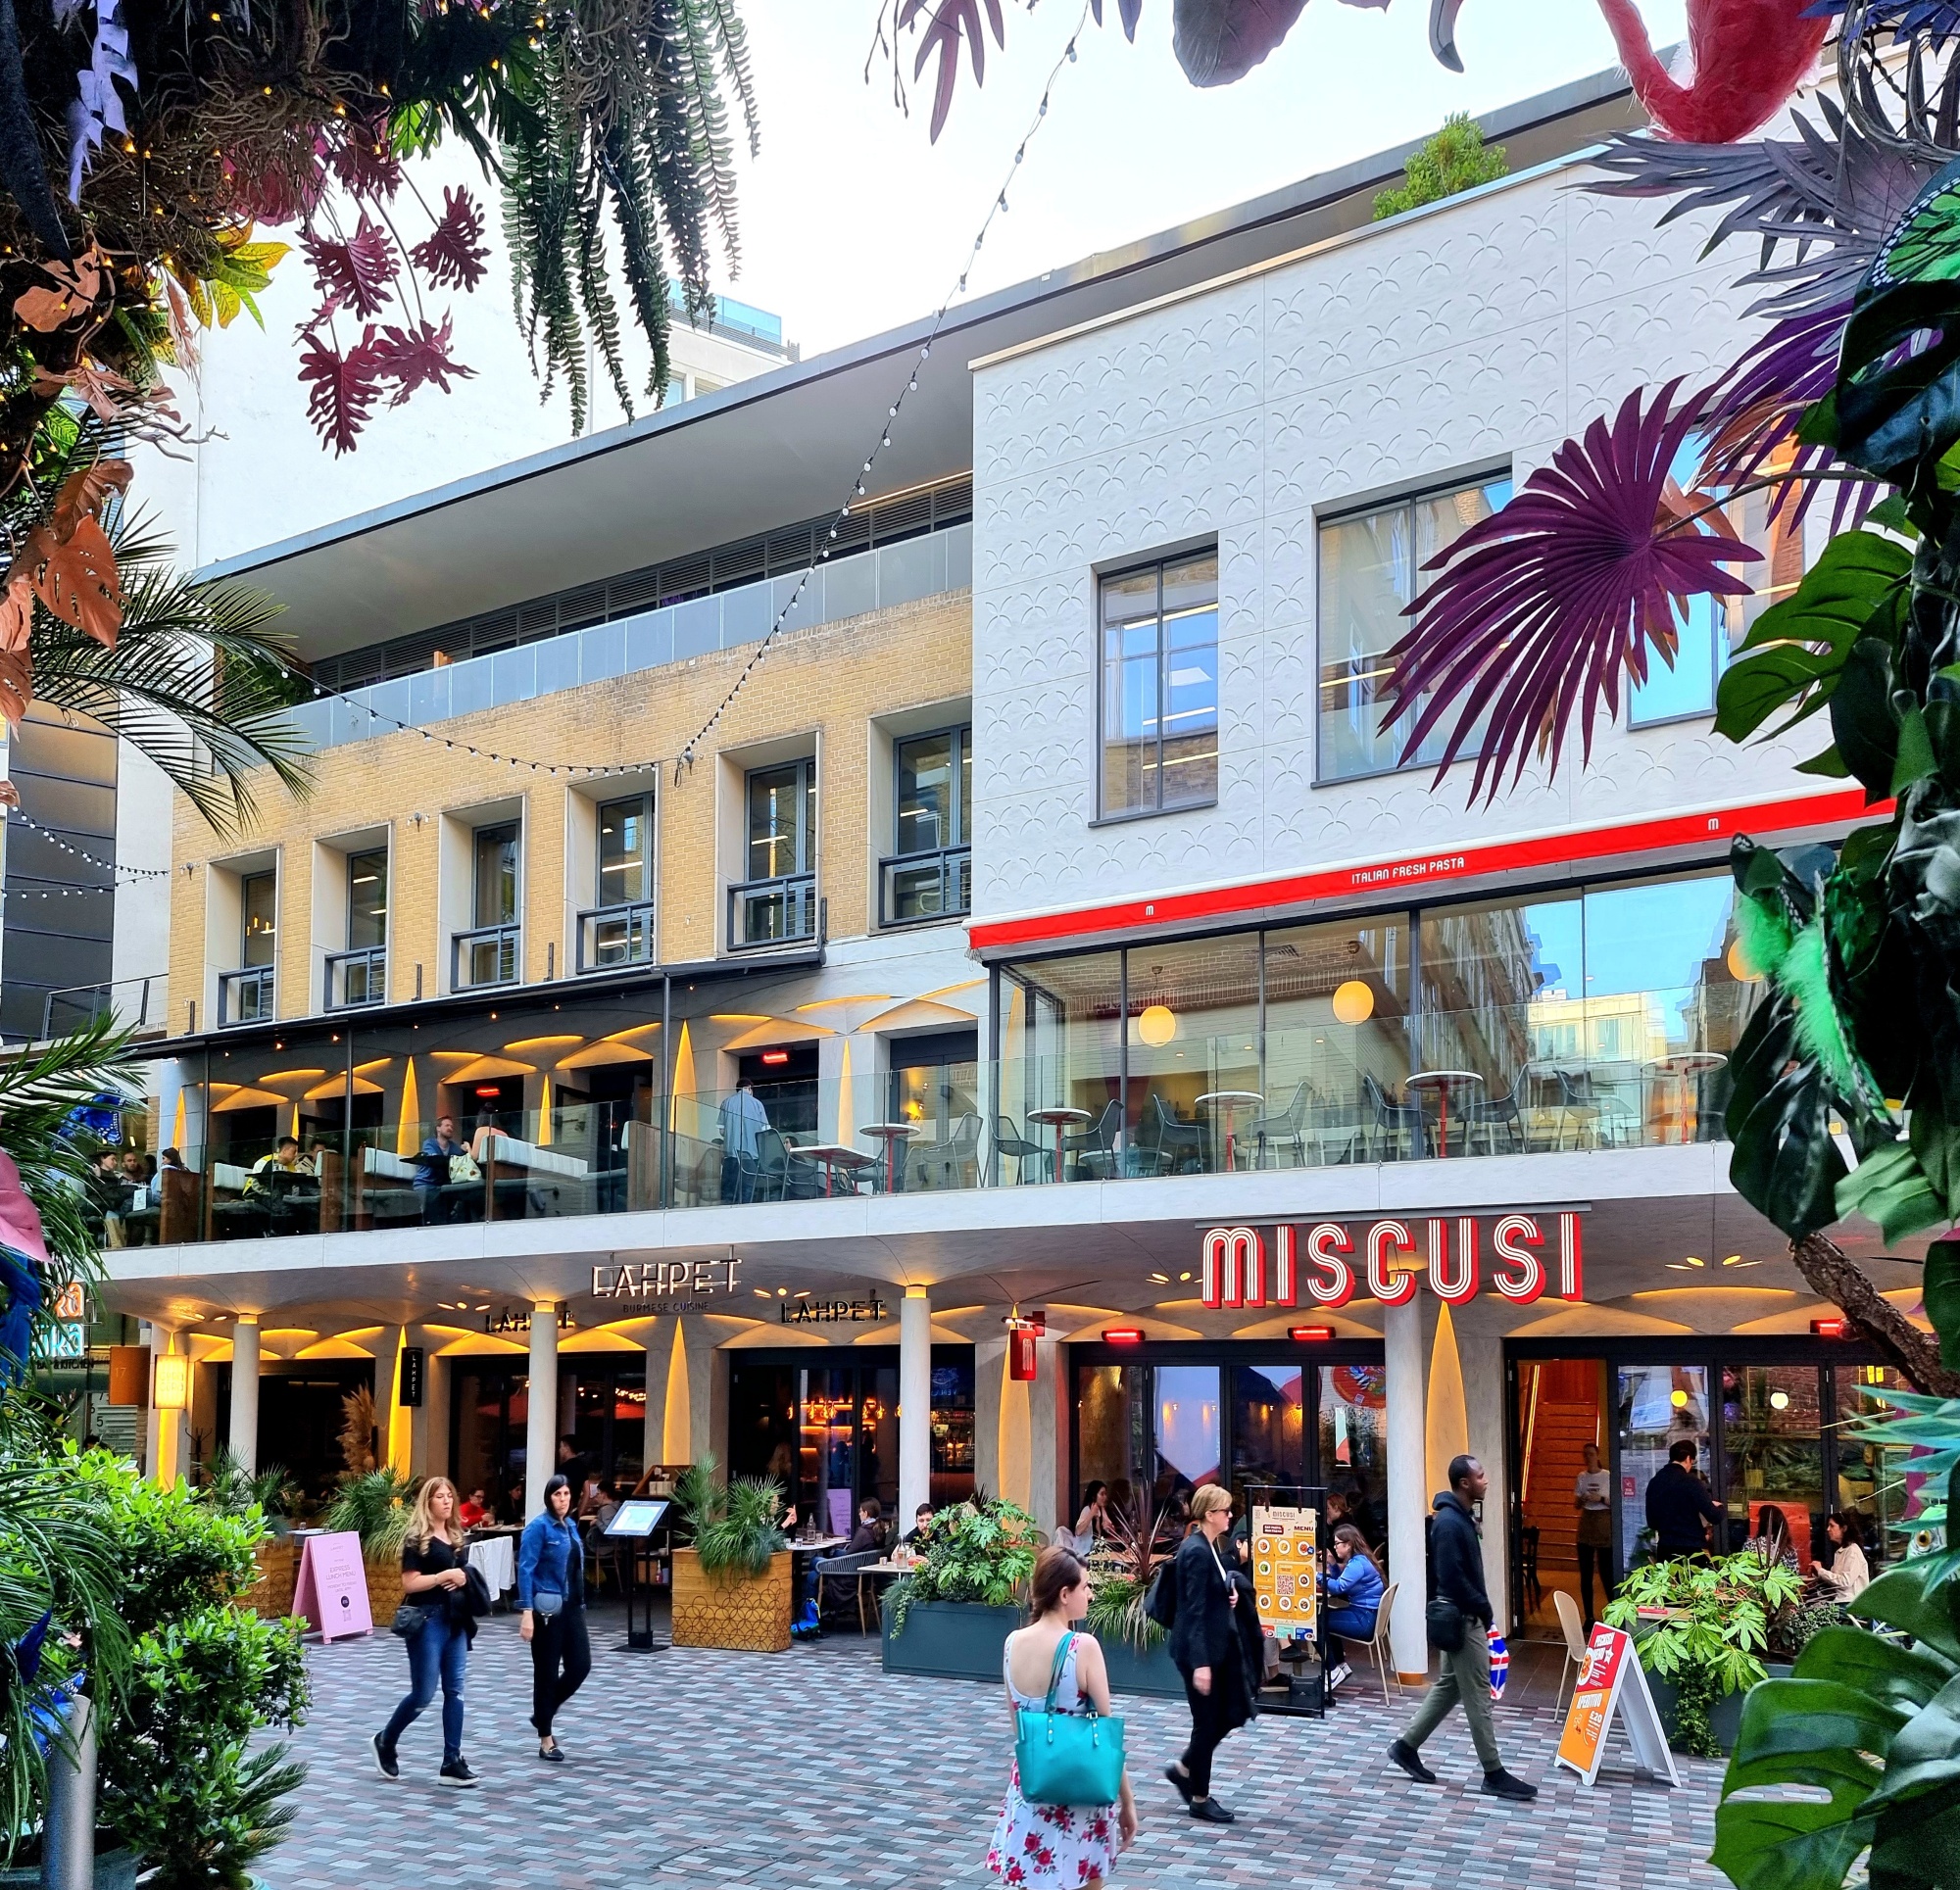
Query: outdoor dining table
(891, 1133)
(833, 1155)
(1443, 1082)
(1223, 1103)
(1062, 1116)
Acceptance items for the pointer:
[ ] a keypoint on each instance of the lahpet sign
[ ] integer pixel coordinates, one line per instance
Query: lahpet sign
(1331, 1265)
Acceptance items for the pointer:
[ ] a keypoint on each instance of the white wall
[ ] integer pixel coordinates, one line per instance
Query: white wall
(1479, 331)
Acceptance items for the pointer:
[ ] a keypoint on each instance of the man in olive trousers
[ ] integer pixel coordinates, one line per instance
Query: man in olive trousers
(1456, 1575)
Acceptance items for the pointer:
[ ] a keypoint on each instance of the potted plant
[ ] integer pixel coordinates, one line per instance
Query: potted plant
(950, 1613)
(374, 1506)
(1702, 1629)
(1121, 1567)
(733, 1589)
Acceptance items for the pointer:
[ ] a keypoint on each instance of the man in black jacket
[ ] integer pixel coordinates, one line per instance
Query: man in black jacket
(1456, 1576)
(1679, 1510)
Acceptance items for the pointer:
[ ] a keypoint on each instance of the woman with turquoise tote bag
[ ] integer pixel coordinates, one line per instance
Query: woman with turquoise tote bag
(1066, 1740)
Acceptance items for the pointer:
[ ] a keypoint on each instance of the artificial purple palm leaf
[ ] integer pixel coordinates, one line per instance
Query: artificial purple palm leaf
(1546, 602)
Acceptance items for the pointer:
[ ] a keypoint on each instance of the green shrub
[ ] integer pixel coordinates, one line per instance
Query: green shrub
(1453, 160)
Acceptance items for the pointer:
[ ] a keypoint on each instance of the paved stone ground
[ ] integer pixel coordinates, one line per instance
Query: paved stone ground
(815, 1771)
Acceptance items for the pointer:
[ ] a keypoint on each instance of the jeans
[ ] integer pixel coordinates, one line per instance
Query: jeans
(1592, 1557)
(1465, 1683)
(436, 1650)
(560, 1659)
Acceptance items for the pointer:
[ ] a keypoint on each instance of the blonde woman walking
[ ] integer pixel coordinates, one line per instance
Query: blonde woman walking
(435, 1581)
(1071, 1846)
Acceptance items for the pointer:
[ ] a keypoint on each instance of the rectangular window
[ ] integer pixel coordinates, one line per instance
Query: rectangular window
(258, 895)
(496, 874)
(1371, 567)
(934, 773)
(625, 851)
(782, 821)
(1159, 667)
(1710, 629)
(367, 899)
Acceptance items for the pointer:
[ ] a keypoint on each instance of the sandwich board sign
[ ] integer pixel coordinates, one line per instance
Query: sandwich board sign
(1285, 1569)
(1612, 1680)
(331, 1591)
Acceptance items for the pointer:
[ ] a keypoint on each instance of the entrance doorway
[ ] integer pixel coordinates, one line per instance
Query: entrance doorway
(1561, 1411)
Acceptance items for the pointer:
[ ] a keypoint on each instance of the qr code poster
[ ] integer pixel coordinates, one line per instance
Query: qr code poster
(1285, 1570)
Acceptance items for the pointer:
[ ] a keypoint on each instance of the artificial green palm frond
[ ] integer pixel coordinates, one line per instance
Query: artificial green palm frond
(40, 1090)
(193, 681)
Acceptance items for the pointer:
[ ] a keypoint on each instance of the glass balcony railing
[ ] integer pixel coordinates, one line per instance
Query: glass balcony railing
(492, 955)
(915, 888)
(1557, 1076)
(769, 912)
(247, 996)
(357, 978)
(617, 935)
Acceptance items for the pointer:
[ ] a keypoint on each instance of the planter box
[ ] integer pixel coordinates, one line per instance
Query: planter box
(747, 1614)
(114, 1871)
(1150, 1674)
(270, 1597)
(957, 1640)
(1725, 1716)
(384, 1592)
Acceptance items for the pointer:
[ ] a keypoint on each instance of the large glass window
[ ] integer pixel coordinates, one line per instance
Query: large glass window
(625, 851)
(782, 821)
(1159, 659)
(495, 894)
(1371, 567)
(935, 776)
(258, 897)
(367, 899)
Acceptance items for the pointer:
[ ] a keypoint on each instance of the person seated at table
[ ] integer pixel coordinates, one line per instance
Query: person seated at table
(474, 1513)
(869, 1534)
(1354, 1591)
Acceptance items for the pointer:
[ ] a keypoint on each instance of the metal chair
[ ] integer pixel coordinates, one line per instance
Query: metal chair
(1008, 1140)
(1379, 1650)
(1573, 1628)
(1289, 1125)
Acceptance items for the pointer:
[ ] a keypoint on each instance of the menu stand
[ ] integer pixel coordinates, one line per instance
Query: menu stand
(637, 1522)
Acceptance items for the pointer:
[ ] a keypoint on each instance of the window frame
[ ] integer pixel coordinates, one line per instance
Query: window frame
(1346, 512)
(1131, 567)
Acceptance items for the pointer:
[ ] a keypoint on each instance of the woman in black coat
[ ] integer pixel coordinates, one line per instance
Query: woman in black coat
(1205, 1647)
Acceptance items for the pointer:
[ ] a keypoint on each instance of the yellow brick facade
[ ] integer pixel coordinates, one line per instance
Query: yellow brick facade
(829, 683)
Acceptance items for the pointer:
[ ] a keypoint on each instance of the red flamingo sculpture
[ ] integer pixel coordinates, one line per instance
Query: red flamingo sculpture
(1745, 58)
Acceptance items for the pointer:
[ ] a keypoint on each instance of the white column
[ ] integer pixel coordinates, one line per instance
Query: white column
(1408, 1491)
(244, 1440)
(541, 1417)
(914, 1404)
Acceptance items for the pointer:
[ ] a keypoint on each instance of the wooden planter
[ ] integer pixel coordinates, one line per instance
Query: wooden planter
(270, 1597)
(384, 1592)
(747, 1614)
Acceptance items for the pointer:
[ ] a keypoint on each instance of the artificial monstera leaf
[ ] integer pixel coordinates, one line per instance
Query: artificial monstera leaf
(1218, 42)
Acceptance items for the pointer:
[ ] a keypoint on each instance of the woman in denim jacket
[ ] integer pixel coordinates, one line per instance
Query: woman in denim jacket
(551, 1591)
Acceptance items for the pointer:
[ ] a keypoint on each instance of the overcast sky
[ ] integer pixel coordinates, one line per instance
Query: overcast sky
(852, 221)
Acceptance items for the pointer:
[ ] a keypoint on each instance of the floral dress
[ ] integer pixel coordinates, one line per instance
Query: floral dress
(1045, 1845)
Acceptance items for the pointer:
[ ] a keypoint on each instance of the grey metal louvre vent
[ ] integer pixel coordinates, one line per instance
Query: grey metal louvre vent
(780, 553)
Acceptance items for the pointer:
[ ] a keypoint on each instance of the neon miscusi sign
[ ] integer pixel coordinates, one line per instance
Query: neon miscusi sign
(1327, 1263)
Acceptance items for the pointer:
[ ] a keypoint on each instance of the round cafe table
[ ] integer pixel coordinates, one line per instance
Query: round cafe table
(833, 1155)
(1063, 1117)
(1684, 1069)
(891, 1133)
(1223, 1103)
(1443, 1082)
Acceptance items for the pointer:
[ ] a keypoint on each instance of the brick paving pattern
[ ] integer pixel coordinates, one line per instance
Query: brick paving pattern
(816, 1771)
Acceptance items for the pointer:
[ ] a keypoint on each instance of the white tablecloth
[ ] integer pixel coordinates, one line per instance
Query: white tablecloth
(496, 1556)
